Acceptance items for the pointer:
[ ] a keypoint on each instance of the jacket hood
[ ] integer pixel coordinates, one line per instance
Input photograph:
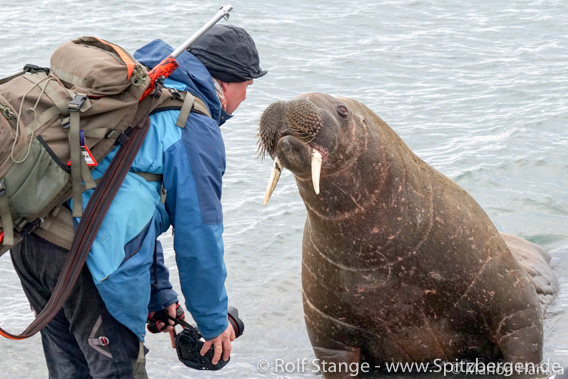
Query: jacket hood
(190, 72)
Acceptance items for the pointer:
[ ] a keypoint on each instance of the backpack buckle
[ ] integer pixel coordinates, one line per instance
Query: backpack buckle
(174, 94)
(119, 137)
(77, 102)
(33, 68)
(7, 112)
(29, 227)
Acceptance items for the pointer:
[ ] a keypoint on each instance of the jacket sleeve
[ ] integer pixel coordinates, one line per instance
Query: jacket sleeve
(162, 294)
(193, 170)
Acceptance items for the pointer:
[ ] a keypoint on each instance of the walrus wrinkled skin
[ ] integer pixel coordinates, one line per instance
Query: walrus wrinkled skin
(399, 263)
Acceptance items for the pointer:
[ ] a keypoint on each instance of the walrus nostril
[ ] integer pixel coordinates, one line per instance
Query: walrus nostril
(303, 118)
(270, 122)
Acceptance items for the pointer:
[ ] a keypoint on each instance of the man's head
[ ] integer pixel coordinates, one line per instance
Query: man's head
(229, 54)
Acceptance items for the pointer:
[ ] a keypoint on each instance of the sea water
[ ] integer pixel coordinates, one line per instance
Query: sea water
(478, 89)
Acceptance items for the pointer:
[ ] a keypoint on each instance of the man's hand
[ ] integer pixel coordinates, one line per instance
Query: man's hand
(221, 344)
(174, 310)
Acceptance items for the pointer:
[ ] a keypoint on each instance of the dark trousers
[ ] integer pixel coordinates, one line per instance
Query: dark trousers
(83, 340)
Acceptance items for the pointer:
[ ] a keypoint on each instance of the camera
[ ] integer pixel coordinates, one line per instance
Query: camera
(190, 341)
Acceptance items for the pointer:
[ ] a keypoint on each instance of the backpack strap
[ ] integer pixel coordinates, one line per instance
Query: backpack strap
(200, 107)
(58, 227)
(27, 68)
(79, 170)
(6, 215)
(149, 177)
(7, 79)
(189, 103)
(185, 110)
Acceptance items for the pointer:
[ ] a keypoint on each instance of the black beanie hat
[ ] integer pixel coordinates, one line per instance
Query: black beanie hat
(229, 54)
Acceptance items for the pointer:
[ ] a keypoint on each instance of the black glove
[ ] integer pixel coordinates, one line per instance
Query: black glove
(163, 316)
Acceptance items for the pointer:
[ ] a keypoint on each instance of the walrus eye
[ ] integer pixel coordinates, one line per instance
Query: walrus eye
(342, 111)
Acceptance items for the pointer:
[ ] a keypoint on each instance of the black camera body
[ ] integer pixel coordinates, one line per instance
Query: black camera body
(188, 346)
(190, 341)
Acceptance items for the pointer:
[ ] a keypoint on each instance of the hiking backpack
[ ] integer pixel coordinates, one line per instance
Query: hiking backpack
(58, 122)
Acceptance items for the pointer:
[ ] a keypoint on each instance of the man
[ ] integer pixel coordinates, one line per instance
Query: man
(99, 331)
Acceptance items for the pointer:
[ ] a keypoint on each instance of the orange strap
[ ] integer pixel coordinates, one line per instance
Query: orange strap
(130, 64)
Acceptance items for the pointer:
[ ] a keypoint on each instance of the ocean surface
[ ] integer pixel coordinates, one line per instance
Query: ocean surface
(478, 89)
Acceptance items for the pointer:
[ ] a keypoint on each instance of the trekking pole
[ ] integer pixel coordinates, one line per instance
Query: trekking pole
(169, 64)
(103, 196)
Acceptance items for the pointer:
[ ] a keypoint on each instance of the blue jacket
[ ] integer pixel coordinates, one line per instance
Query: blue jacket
(126, 260)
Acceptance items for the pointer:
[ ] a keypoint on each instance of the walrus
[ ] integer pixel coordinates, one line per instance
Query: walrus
(399, 263)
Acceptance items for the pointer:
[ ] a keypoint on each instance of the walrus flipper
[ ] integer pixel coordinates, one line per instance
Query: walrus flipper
(339, 360)
(534, 259)
(325, 335)
(519, 338)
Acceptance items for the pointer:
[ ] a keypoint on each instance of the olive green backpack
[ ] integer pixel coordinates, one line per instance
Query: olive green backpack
(57, 123)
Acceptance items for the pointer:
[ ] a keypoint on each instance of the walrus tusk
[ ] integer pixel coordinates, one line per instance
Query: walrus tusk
(316, 170)
(273, 181)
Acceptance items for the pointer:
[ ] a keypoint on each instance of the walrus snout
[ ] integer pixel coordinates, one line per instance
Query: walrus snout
(297, 119)
(303, 118)
(305, 121)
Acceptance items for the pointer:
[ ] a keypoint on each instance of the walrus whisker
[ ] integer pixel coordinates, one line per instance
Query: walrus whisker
(269, 125)
(265, 142)
(273, 181)
(316, 170)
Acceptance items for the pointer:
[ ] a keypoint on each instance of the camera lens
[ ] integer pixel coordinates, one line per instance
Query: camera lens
(235, 321)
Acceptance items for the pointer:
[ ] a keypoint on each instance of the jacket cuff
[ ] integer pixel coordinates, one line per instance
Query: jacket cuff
(162, 299)
(210, 334)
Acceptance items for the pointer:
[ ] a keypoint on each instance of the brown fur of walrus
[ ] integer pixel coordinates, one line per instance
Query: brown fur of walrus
(399, 263)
